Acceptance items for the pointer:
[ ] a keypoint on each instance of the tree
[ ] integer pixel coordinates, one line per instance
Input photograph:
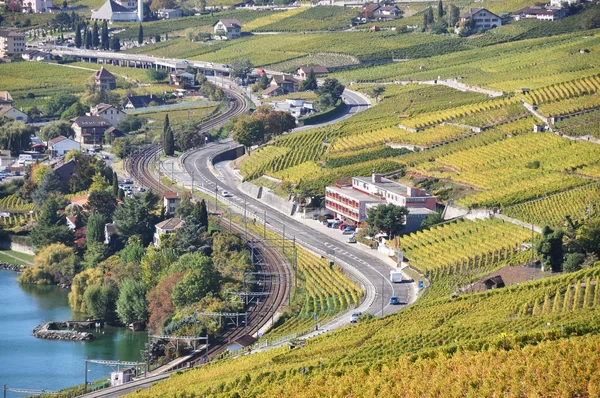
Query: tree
(591, 19)
(38, 171)
(136, 217)
(104, 39)
(573, 262)
(326, 101)
(431, 220)
(55, 129)
(100, 300)
(187, 136)
(130, 123)
(201, 5)
(275, 122)
(83, 173)
(115, 185)
(169, 142)
(160, 301)
(94, 231)
(78, 41)
(241, 68)
(332, 86)
(389, 218)
(184, 208)
(377, 91)
(15, 136)
(440, 10)
(76, 109)
(132, 305)
(453, 15)
(141, 35)
(133, 252)
(88, 39)
(99, 183)
(157, 75)
(57, 104)
(201, 213)
(81, 282)
(158, 4)
(310, 83)
(50, 184)
(264, 82)
(196, 285)
(249, 132)
(95, 35)
(589, 236)
(190, 237)
(550, 248)
(54, 263)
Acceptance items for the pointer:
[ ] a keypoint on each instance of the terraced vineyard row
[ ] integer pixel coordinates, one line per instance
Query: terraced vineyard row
(571, 105)
(15, 203)
(577, 203)
(572, 89)
(581, 125)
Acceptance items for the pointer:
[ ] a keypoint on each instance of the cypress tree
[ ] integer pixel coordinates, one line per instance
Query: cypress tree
(88, 39)
(121, 194)
(203, 214)
(115, 184)
(117, 44)
(140, 35)
(440, 11)
(95, 37)
(105, 39)
(169, 143)
(166, 126)
(77, 37)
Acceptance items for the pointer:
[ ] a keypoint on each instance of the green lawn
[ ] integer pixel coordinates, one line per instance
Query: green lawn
(22, 256)
(7, 259)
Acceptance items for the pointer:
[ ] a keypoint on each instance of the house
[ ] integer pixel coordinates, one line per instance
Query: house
(142, 101)
(38, 6)
(121, 376)
(227, 29)
(296, 106)
(65, 170)
(368, 11)
(480, 18)
(13, 113)
(541, 13)
(241, 343)
(166, 227)
(353, 201)
(5, 98)
(387, 13)
(303, 71)
(105, 80)
(182, 78)
(89, 130)
(169, 13)
(111, 133)
(108, 112)
(285, 82)
(11, 43)
(60, 145)
(110, 230)
(170, 202)
(272, 91)
(559, 3)
(72, 222)
(113, 11)
(129, 4)
(36, 55)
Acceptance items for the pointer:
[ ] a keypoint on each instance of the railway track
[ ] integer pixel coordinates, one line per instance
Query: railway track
(271, 261)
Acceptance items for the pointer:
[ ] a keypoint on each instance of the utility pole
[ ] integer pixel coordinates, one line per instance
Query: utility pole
(533, 246)
(382, 286)
(229, 220)
(216, 193)
(86, 381)
(283, 240)
(265, 225)
(172, 172)
(245, 220)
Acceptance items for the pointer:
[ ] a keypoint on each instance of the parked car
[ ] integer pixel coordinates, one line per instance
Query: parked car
(348, 232)
(315, 216)
(226, 194)
(127, 181)
(355, 316)
(394, 300)
(142, 189)
(351, 240)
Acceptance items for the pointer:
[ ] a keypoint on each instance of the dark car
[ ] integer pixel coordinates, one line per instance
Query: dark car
(394, 300)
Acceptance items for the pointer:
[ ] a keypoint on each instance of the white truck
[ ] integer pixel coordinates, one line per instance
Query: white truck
(396, 276)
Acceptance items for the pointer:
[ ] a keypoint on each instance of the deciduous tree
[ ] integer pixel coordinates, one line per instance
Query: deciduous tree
(388, 218)
(132, 305)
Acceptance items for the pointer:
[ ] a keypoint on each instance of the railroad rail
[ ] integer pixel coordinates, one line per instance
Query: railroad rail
(272, 262)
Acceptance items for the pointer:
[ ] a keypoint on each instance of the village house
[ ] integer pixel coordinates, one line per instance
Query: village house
(166, 227)
(541, 13)
(61, 145)
(110, 230)
(115, 11)
(182, 78)
(286, 82)
(105, 80)
(297, 107)
(89, 130)
(480, 19)
(64, 170)
(38, 6)
(142, 101)
(227, 29)
(36, 55)
(241, 343)
(11, 43)
(72, 222)
(5, 98)
(13, 113)
(272, 91)
(108, 112)
(170, 202)
(169, 13)
(304, 71)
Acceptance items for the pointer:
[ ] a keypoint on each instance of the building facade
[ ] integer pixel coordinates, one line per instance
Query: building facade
(481, 19)
(107, 112)
(227, 29)
(170, 202)
(13, 113)
(11, 43)
(60, 145)
(105, 80)
(89, 130)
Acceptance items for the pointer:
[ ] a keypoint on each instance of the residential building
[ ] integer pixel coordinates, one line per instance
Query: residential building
(227, 29)
(11, 43)
(111, 133)
(13, 113)
(37, 6)
(60, 145)
(296, 106)
(303, 71)
(5, 98)
(272, 91)
(110, 230)
(65, 170)
(541, 13)
(170, 202)
(72, 222)
(129, 4)
(182, 78)
(90, 130)
(113, 11)
(560, 3)
(108, 112)
(121, 376)
(166, 227)
(286, 82)
(36, 55)
(105, 80)
(241, 343)
(169, 13)
(142, 101)
(387, 13)
(480, 18)
(353, 201)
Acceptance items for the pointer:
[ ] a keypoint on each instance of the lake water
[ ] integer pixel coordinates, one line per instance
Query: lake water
(28, 362)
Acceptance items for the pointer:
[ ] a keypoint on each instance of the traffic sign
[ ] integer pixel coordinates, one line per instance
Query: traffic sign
(421, 284)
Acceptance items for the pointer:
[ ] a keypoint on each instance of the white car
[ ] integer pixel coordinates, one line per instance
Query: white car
(355, 316)
(226, 194)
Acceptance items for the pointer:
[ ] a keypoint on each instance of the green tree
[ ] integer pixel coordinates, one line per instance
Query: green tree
(169, 143)
(377, 91)
(115, 185)
(88, 39)
(78, 41)
(453, 15)
(589, 236)
(133, 252)
(49, 185)
(197, 284)
(275, 122)
(76, 109)
(200, 213)
(141, 34)
(332, 87)
(264, 82)
(54, 263)
(57, 104)
(55, 129)
(137, 217)
(550, 248)
(105, 44)
(184, 208)
(249, 132)
(190, 237)
(440, 10)
(431, 220)
(94, 231)
(389, 218)
(573, 262)
(95, 35)
(81, 282)
(101, 300)
(130, 123)
(15, 136)
(83, 173)
(157, 75)
(310, 83)
(51, 226)
(132, 305)
(241, 68)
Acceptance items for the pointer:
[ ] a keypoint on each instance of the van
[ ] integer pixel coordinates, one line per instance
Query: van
(25, 158)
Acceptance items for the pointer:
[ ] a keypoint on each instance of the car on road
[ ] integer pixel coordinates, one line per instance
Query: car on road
(351, 240)
(127, 181)
(142, 189)
(355, 316)
(226, 194)
(394, 300)
(105, 157)
(348, 231)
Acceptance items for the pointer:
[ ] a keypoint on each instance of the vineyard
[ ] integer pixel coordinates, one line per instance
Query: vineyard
(17, 220)
(534, 339)
(571, 105)
(13, 203)
(567, 90)
(515, 169)
(259, 23)
(310, 19)
(577, 204)
(580, 125)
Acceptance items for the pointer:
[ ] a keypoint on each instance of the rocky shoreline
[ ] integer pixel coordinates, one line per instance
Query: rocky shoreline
(11, 267)
(58, 331)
